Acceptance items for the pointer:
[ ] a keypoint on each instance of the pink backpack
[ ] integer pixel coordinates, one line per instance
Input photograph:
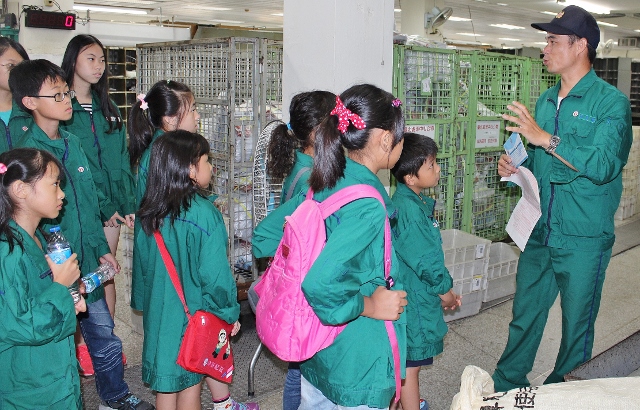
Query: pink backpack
(285, 322)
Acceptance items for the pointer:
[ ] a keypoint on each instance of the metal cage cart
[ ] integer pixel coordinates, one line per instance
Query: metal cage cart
(237, 86)
(457, 98)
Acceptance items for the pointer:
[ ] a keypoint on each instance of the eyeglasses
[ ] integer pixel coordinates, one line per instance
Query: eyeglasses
(58, 97)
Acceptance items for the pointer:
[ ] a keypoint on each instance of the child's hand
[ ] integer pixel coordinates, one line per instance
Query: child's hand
(129, 220)
(113, 221)
(236, 328)
(81, 306)
(110, 259)
(67, 273)
(385, 304)
(450, 300)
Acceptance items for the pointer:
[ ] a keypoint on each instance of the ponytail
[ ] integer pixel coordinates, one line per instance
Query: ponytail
(329, 160)
(140, 131)
(281, 152)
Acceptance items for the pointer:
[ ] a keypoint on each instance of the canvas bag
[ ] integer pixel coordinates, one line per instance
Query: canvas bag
(285, 322)
(205, 346)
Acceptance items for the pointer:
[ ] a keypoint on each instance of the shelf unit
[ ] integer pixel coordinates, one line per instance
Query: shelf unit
(607, 69)
(122, 78)
(634, 95)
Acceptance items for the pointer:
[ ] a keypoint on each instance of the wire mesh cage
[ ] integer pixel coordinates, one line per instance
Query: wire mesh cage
(237, 85)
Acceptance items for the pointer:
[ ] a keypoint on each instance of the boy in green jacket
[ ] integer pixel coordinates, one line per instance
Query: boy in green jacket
(418, 244)
(38, 87)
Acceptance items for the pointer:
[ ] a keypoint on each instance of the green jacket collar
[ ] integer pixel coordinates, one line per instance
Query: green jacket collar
(363, 175)
(580, 89)
(426, 203)
(31, 248)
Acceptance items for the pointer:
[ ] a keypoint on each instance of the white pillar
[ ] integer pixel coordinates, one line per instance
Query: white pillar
(333, 44)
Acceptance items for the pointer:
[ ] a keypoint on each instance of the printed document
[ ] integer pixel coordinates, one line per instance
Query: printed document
(527, 212)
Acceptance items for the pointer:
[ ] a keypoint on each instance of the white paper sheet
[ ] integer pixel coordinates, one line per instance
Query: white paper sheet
(527, 212)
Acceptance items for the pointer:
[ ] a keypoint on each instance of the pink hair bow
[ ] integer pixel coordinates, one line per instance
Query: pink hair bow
(3, 168)
(143, 104)
(345, 115)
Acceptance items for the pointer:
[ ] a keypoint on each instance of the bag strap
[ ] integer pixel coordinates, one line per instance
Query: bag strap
(171, 269)
(337, 201)
(294, 182)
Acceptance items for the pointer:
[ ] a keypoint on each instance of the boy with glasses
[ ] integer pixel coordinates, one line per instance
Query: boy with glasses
(39, 88)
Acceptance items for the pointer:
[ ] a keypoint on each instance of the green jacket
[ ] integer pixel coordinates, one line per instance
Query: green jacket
(197, 243)
(302, 170)
(79, 219)
(108, 157)
(594, 125)
(19, 122)
(38, 366)
(358, 367)
(418, 244)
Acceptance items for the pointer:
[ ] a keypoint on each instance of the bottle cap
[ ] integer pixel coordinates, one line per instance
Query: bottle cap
(54, 229)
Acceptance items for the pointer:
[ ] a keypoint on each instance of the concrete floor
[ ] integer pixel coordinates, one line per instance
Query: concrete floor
(480, 339)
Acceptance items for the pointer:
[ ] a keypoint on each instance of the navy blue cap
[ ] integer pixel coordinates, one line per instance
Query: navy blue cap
(573, 20)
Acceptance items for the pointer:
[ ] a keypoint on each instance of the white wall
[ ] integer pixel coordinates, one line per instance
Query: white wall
(333, 44)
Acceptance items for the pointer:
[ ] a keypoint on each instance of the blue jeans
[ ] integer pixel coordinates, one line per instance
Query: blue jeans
(105, 349)
(291, 394)
(313, 399)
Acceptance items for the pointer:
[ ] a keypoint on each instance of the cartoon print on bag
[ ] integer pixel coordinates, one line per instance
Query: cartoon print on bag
(222, 340)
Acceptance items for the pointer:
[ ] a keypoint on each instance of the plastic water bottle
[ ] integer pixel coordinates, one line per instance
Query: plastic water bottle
(59, 250)
(58, 247)
(99, 276)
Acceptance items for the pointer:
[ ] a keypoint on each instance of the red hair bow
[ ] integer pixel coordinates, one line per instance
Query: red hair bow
(345, 115)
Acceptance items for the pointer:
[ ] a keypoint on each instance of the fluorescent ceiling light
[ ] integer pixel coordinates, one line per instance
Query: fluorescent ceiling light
(129, 2)
(226, 21)
(509, 39)
(551, 13)
(458, 19)
(502, 4)
(541, 43)
(637, 31)
(470, 34)
(507, 26)
(198, 7)
(397, 10)
(602, 23)
(106, 9)
(590, 7)
(278, 14)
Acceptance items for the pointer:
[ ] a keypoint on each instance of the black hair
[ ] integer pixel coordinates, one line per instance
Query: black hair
(170, 187)
(415, 151)
(591, 52)
(306, 111)
(164, 99)
(376, 108)
(74, 48)
(28, 165)
(27, 78)
(6, 42)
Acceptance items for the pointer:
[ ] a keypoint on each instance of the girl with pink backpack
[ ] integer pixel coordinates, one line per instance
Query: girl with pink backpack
(346, 284)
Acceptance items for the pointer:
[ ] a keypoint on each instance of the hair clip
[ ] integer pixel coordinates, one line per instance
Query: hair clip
(3, 168)
(396, 102)
(289, 126)
(143, 104)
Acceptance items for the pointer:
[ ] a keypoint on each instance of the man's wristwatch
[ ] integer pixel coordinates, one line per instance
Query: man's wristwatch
(553, 144)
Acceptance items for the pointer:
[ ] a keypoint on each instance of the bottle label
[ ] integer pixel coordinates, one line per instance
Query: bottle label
(60, 256)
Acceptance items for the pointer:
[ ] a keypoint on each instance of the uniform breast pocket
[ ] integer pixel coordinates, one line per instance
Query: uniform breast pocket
(580, 132)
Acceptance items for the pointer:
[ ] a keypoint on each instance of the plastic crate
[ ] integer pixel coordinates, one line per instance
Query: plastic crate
(627, 208)
(503, 260)
(472, 293)
(460, 247)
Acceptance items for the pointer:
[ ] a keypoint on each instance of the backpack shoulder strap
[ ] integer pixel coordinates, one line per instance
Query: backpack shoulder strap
(299, 175)
(347, 195)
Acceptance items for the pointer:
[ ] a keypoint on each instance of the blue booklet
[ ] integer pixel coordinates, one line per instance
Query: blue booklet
(515, 149)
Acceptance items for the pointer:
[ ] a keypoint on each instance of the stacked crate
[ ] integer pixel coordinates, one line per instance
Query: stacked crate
(501, 272)
(466, 257)
(629, 202)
